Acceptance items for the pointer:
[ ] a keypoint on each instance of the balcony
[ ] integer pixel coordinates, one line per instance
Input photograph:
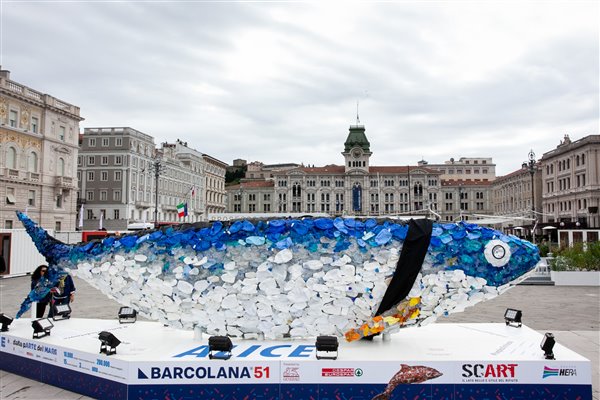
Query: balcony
(64, 182)
(11, 173)
(143, 204)
(33, 176)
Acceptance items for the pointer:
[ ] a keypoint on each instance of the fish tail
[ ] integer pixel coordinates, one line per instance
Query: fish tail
(25, 305)
(51, 248)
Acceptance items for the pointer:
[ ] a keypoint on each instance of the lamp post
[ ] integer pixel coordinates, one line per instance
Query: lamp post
(531, 167)
(157, 170)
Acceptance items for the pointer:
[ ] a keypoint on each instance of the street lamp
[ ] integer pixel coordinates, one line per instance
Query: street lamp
(158, 168)
(531, 167)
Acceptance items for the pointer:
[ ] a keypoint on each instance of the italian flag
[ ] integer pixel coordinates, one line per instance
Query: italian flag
(182, 210)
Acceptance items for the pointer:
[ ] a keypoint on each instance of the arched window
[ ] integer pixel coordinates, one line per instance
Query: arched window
(33, 162)
(11, 158)
(357, 197)
(60, 167)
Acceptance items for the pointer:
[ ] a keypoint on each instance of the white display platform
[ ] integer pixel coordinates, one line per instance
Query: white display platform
(154, 361)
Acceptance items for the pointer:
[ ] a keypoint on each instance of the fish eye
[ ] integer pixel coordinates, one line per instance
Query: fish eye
(497, 253)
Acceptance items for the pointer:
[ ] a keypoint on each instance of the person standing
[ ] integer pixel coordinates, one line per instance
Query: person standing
(40, 273)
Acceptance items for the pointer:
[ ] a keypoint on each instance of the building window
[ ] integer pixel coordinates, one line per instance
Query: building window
(103, 195)
(8, 224)
(89, 195)
(116, 214)
(118, 160)
(118, 142)
(104, 176)
(105, 142)
(90, 176)
(91, 160)
(33, 162)
(11, 158)
(31, 198)
(10, 196)
(92, 142)
(34, 124)
(118, 176)
(12, 119)
(59, 201)
(104, 160)
(266, 207)
(117, 195)
(60, 167)
(61, 133)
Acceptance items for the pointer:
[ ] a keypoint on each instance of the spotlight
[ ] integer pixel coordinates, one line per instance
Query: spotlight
(41, 327)
(547, 345)
(127, 315)
(5, 320)
(108, 343)
(512, 317)
(326, 344)
(219, 344)
(61, 311)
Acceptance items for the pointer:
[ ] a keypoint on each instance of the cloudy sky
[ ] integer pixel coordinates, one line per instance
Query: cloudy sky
(279, 82)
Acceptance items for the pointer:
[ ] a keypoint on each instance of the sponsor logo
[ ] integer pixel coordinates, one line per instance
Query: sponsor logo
(291, 374)
(489, 373)
(204, 373)
(3, 342)
(551, 372)
(341, 372)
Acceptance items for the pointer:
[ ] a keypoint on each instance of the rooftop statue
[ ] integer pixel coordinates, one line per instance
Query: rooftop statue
(293, 278)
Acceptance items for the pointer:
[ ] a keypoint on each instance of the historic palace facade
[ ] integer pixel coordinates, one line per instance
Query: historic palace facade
(355, 188)
(38, 152)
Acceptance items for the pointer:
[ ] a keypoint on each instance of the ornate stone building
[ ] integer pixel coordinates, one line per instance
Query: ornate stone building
(215, 184)
(571, 183)
(513, 196)
(355, 188)
(38, 152)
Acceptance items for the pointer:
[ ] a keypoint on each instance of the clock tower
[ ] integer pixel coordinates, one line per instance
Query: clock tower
(357, 150)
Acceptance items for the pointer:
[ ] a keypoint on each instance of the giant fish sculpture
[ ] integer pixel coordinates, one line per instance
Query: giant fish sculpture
(293, 277)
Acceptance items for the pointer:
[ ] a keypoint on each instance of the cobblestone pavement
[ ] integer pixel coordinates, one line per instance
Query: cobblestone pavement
(571, 313)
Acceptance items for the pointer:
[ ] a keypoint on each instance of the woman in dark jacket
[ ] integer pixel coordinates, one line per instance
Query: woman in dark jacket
(39, 273)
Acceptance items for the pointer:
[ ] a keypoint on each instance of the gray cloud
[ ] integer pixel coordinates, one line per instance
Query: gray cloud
(279, 82)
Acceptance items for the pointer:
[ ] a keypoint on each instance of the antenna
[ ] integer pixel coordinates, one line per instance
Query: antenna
(357, 119)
